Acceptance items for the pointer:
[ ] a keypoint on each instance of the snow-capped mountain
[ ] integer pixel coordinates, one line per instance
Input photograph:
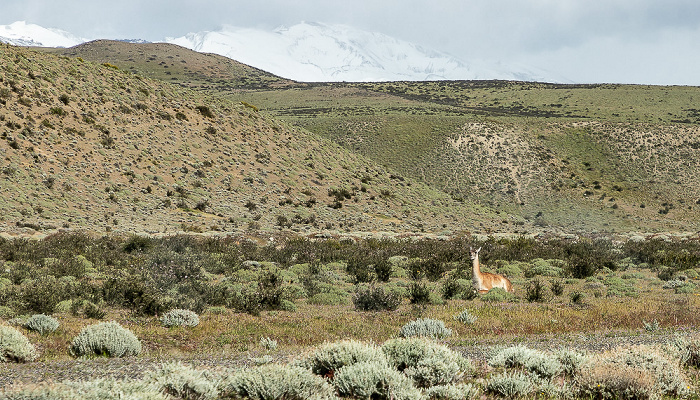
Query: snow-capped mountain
(314, 52)
(21, 33)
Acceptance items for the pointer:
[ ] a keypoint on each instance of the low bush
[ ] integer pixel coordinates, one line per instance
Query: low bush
(497, 295)
(426, 362)
(98, 389)
(510, 384)
(327, 359)
(105, 339)
(466, 317)
(632, 372)
(41, 323)
(425, 327)
(465, 391)
(268, 344)
(14, 346)
(374, 380)
(521, 357)
(375, 298)
(180, 317)
(183, 382)
(536, 291)
(419, 292)
(274, 381)
(687, 350)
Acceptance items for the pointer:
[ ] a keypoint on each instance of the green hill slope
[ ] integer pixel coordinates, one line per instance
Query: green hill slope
(592, 158)
(91, 146)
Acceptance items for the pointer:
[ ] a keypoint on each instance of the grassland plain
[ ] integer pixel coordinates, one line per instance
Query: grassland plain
(619, 300)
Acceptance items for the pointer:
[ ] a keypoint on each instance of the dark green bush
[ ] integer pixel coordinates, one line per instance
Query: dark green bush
(535, 291)
(375, 298)
(419, 292)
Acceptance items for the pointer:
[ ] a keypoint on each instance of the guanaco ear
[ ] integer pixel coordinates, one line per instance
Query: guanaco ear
(478, 250)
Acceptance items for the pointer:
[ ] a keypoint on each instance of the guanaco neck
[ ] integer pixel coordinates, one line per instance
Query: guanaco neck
(476, 269)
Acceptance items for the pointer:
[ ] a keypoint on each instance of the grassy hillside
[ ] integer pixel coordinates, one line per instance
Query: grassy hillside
(591, 158)
(88, 145)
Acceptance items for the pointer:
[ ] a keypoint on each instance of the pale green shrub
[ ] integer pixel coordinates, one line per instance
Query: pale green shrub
(545, 268)
(452, 392)
(466, 317)
(687, 350)
(14, 346)
(497, 295)
(105, 339)
(274, 381)
(644, 371)
(532, 360)
(426, 362)
(570, 360)
(510, 384)
(374, 380)
(98, 389)
(425, 327)
(41, 323)
(602, 380)
(268, 344)
(184, 382)
(330, 357)
(180, 317)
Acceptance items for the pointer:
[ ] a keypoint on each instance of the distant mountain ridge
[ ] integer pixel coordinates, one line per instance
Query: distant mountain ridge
(315, 52)
(21, 33)
(312, 52)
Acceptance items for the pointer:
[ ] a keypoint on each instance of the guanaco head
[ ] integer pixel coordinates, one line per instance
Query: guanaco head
(474, 254)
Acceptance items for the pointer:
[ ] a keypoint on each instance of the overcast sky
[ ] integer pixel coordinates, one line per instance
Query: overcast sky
(622, 41)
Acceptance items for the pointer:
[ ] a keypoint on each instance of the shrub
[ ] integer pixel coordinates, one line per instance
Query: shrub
(532, 360)
(545, 268)
(419, 293)
(426, 362)
(180, 317)
(205, 111)
(497, 295)
(41, 323)
(328, 299)
(93, 311)
(637, 371)
(183, 382)
(452, 392)
(466, 317)
(330, 357)
(105, 339)
(267, 343)
(98, 389)
(375, 298)
(570, 360)
(374, 380)
(274, 381)
(425, 327)
(557, 287)
(536, 291)
(14, 346)
(510, 384)
(687, 350)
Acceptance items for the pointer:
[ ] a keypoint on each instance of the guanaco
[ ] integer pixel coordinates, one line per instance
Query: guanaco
(484, 281)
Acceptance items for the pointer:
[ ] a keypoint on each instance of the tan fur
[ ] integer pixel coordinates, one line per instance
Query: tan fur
(484, 281)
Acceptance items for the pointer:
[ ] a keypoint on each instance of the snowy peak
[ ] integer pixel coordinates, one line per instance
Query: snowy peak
(21, 33)
(312, 52)
(319, 52)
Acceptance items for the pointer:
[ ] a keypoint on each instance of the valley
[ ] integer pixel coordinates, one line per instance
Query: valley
(296, 233)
